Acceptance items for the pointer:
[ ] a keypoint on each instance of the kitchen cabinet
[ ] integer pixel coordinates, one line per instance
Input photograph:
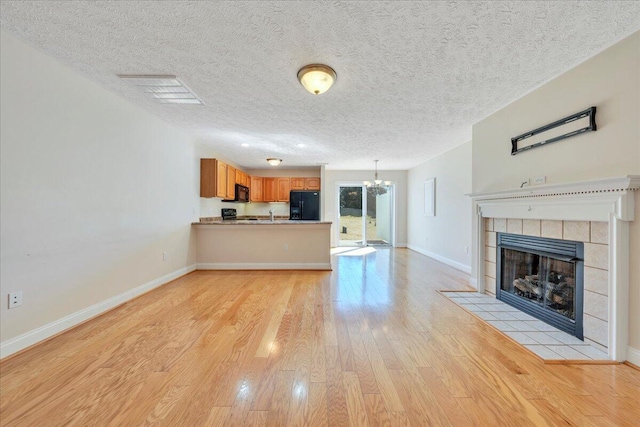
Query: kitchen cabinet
(305, 184)
(218, 179)
(255, 194)
(275, 189)
(297, 184)
(284, 188)
(312, 184)
(231, 182)
(269, 189)
(213, 178)
(242, 178)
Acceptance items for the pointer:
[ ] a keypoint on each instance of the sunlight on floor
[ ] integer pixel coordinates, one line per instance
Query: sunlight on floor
(343, 251)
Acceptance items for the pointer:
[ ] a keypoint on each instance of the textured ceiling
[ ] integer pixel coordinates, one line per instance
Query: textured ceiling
(412, 76)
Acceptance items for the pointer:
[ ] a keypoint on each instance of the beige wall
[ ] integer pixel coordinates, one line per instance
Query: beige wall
(634, 280)
(93, 191)
(445, 235)
(611, 82)
(399, 178)
(263, 246)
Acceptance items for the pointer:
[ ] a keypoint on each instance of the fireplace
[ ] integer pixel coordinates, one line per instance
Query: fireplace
(542, 277)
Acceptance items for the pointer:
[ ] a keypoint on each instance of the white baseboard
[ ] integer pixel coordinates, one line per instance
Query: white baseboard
(455, 264)
(30, 338)
(400, 245)
(633, 356)
(263, 266)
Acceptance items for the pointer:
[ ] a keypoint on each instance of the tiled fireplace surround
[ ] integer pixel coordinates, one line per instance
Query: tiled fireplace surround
(594, 212)
(594, 234)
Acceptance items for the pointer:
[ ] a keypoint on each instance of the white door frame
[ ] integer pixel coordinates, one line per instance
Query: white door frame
(340, 184)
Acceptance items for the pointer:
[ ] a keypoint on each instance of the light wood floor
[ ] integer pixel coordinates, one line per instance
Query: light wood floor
(371, 343)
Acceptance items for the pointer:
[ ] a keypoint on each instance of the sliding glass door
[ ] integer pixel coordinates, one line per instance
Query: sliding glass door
(350, 225)
(365, 215)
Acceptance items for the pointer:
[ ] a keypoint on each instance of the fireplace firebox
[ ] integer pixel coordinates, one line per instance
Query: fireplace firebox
(542, 277)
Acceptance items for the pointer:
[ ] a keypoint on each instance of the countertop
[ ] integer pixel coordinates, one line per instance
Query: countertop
(261, 222)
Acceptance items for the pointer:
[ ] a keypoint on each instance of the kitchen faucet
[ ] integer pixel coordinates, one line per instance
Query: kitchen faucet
(271, 214)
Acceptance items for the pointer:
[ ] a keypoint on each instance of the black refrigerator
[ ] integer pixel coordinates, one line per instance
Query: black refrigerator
(304, 205)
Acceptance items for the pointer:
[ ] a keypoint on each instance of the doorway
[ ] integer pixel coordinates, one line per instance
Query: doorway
(365, 215)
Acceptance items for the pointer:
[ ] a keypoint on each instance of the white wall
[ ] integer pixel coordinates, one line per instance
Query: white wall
(611, 82)
(398, 178)
(446, 235)
(384, 206)
(93, 191)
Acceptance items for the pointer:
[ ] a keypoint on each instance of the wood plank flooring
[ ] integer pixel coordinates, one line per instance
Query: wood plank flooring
(370, 344)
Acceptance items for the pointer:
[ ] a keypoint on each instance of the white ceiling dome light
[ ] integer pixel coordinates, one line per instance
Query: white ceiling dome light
(317, 78)
(273, 161)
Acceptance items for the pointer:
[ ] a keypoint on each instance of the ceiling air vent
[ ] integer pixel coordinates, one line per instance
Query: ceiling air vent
(163, 89)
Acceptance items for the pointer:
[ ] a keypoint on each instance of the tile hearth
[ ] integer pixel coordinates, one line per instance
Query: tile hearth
(538, 337)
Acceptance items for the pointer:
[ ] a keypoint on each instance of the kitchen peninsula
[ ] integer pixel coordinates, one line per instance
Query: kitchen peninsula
(263, 245)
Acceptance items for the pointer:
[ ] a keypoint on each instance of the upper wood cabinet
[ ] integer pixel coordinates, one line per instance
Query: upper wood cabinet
(231, 182)
(255, 194)
(284, 188)
(242, 178)
(297, 184)
(305, 184)
(269, 189)
(312, 183)
(218, 179)
(213, 178)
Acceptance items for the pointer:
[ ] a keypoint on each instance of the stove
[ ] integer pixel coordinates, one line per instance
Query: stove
(229, 214)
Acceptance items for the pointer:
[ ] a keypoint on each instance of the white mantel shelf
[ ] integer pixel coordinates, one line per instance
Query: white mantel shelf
(609, 200)
(594, 200)
(630, 182)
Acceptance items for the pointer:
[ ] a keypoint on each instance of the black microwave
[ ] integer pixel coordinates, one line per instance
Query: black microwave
(242, 194)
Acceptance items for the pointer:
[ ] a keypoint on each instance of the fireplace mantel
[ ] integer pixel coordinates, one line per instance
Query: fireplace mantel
(610, 200)
(577, 201)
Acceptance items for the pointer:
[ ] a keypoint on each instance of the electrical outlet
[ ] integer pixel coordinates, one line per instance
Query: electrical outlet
(165, 256)
(539, 180)
(286, 247)
(466, 249)
(15, 299)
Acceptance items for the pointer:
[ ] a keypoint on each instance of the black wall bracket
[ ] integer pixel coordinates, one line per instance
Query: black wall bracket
(590, 112)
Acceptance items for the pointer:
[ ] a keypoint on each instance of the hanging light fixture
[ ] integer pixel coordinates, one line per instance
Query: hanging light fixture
(376, 187)
(273, 161)
(317, 78)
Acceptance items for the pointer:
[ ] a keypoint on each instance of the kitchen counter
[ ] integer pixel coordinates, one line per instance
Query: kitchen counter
(260, 222)
(263, 244)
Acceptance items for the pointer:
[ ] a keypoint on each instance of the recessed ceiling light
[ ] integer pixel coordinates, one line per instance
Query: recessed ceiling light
(244, 144)
(163, 89)
(300, 145)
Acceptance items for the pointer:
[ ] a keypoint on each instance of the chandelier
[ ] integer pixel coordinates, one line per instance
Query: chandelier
(377, 187)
